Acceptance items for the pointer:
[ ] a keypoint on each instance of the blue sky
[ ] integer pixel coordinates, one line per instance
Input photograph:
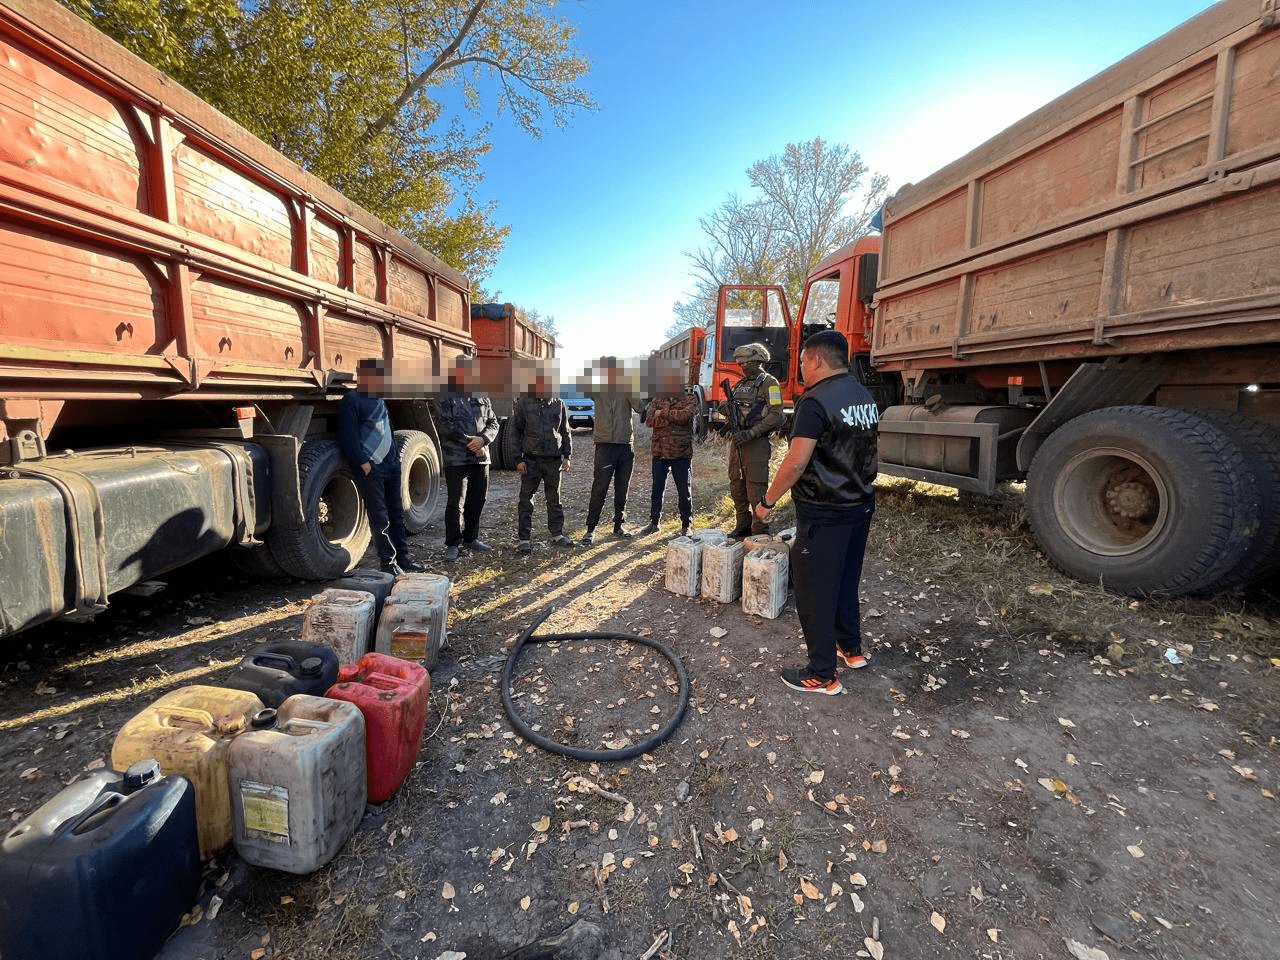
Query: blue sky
(692, 92)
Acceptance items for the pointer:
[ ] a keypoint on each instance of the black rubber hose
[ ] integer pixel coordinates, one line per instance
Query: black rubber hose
(578, 753)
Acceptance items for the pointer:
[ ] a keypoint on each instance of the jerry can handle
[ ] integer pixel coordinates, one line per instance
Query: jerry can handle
(191, 715)
(281, 661)
(383, 681)
(103, 802)
(304, 725)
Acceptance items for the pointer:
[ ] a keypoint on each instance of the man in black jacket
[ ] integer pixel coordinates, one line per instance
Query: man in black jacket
(366, 438)
(541, 423)
(829, 468)
(467, 427)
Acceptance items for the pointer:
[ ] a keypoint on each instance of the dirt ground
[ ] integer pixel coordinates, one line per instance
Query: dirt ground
(1021, 772)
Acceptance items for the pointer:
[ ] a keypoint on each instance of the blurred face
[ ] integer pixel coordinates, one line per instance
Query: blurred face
(372, 381)
(462, 375)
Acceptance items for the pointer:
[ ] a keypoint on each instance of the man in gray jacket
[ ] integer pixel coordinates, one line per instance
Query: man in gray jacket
(541, 424)
(614, 456)
(467, 427)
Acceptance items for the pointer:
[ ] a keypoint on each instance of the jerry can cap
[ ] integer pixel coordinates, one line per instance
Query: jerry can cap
(141, 773)
(311, 666)
(263, 719)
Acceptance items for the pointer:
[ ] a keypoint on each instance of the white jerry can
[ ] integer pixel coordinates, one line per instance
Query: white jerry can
(764, 582)
(684, 566)
(342, 620)
(722, 570)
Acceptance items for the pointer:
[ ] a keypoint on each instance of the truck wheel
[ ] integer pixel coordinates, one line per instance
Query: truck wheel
(336, 532)
(1260, 444)
(419, 478)
(510, 447)
(1144, 500)
(496, 459)
(258, 563)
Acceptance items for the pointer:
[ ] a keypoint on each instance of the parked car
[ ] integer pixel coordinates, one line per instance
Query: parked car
(581, 408)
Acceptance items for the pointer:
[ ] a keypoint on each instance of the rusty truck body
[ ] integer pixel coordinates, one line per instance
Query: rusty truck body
(1090, 302)
(508, 347)
(181, 310)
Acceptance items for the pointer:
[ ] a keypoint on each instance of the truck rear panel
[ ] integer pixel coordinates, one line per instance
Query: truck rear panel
(149, 247)
(1138, 212)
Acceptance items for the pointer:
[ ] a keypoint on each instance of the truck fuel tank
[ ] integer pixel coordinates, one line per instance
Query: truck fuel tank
(949, 445)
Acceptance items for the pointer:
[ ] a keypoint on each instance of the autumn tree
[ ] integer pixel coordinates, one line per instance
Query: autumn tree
(354, 91)
(812, 199)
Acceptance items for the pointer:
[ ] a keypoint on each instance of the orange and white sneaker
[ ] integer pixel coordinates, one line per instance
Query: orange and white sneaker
(854, 661)
(806, 681)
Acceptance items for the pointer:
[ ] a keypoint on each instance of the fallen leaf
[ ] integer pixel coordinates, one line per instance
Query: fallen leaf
(874, 948)
(524, 902)
(1135, 851)
(858, 905)
(447, 891)
(1065, 722)
(496, 856)
(879, 846)
(543, 825)
(573, 907)
(1246, 772)
(1164, 923)
(728, 836)
(1040, 590)
(809, 890)
(994, 934)
(782, 861)
(816, 776)
(1208, 705)
(718, 632)
(257, 953)
(858, 880)
(938, 921)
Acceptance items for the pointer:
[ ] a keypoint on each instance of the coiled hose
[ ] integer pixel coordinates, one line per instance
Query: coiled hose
(579, 753)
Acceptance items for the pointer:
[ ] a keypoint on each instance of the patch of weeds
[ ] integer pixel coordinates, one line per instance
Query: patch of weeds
(709, 778)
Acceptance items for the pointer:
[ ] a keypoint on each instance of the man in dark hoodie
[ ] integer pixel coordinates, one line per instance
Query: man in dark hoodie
(364, 433)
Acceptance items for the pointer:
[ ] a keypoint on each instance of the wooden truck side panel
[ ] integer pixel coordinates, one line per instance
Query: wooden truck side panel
(149, 247)
(1136, 213)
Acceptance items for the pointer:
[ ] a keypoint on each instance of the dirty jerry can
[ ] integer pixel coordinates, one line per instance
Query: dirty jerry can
(764, 581)
(103, 871)
(684, 566)
(376, 582)
(298, 785)
(342, 620)
(392, 694)
(276, 671)
(188, 731)
(722, 571)
(414, 622)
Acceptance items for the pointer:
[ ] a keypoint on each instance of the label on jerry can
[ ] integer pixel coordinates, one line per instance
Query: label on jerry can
(266, 811)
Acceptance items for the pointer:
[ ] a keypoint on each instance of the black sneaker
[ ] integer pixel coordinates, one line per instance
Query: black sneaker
(685, 529)
(392, 568)
(622, 533)
(651, 528)
(451, 553)
(412, 566)
(526, 547)
(588, 538)
(806, 681)
(479, 545)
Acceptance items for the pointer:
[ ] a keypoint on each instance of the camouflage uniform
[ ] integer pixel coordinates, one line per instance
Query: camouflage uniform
(759, 402)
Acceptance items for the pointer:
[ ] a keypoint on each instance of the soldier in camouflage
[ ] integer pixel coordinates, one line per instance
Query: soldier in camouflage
(758, 398)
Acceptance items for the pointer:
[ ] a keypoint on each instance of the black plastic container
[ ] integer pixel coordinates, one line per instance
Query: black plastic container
(375, 582)
(103, 871)
(276, 671)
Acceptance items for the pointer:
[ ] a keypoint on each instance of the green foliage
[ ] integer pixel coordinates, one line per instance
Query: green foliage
(351, 90)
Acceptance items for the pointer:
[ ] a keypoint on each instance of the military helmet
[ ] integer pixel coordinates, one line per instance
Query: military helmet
(751, 351)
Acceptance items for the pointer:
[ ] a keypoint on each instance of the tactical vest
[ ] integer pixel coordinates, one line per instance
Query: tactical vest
(843, 466)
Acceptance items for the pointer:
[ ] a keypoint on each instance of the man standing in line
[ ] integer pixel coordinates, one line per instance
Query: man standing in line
(614, 456)
(758, 398)
(671, 414)
(366, 439)
(541, 423)
(829, 468)
(467, 427)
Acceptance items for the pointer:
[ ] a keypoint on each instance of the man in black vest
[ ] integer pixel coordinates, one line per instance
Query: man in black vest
(829, 468)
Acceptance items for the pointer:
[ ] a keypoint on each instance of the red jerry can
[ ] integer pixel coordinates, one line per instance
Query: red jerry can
(392, 695)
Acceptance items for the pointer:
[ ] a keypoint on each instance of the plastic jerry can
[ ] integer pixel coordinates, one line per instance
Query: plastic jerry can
(710, 535)
(392, 694)
(722, 571)
(276, 671)
(103, 871)
(684, 566)
(376, 582)
(298, 784)
(424, 586)
(758, 541)
(413, 626)
(188, 731)
(764, 582)
(342, 620)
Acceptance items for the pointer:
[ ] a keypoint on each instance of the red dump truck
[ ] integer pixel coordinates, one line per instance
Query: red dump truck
(507, 349)
(181, 309)
(1089, 302)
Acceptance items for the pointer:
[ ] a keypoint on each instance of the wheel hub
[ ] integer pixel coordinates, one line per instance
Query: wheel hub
(1130, 498)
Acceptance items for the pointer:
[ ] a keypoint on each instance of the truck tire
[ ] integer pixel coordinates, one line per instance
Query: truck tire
(510, 447)
(1144, 500)
(258, 563)
(1260, 444)
(419, 478)
(336, 531)
(496, 459)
